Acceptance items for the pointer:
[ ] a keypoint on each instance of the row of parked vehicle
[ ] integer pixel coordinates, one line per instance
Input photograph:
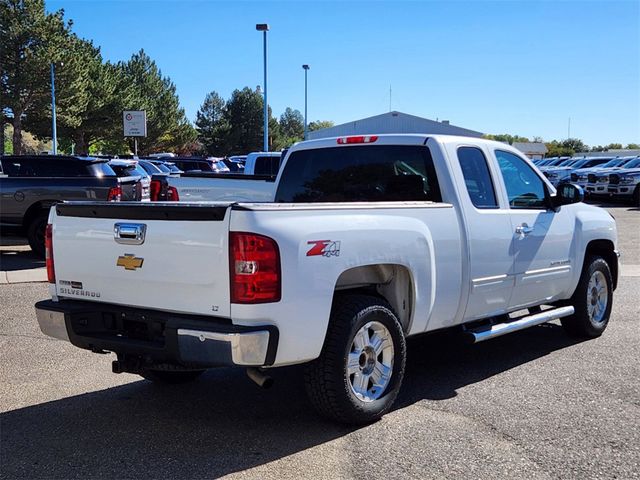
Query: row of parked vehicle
(31, 184)
(617, 177)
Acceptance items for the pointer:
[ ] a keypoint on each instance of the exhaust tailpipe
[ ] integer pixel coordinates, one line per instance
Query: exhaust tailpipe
(259, 377)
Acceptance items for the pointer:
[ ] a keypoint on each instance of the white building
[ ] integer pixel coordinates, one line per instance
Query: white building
(393, 122)
(533, 150)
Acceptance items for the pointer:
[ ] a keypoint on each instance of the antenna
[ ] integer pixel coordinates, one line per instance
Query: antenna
(569, 129)
(389, 97)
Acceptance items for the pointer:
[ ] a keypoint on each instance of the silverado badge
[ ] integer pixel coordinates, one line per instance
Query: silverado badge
(129, 261)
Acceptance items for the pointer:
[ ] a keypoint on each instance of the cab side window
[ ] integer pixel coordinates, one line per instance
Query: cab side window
(525, 189)
(477, 177)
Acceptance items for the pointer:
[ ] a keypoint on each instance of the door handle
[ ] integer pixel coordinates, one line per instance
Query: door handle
(129, 233)
(524, 229)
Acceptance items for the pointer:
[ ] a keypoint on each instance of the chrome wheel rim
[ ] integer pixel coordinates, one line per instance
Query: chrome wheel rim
(370, 361)
(597, 297)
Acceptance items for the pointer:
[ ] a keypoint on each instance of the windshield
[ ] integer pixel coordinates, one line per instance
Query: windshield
(150, 168)
(566, 163)
(613, 163)
(162, 167)
(632, 164)
(129, 170)
(102, 169)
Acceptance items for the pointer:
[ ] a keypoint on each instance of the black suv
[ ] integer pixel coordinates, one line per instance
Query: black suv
(30, 184)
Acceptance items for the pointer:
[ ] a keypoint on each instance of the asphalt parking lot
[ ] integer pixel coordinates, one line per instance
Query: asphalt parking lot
(534, 404)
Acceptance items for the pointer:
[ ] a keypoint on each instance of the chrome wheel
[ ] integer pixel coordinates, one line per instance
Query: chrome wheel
(370, 361)
(597, 297)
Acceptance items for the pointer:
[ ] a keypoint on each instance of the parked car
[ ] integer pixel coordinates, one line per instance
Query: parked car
(581, 175)
(598, 183)
(154, 168)
(370, 240)
(262, 163)
(209, 186)
(139, 190)
(191, 164)
(554, 162)
(624, 184)
(233, 165)
(164, 164)
(563, 174)
(238, 158)
(218, 165)
(30, 184)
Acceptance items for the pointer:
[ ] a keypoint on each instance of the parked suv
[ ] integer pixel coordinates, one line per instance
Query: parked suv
(130, 171)
(30, 184)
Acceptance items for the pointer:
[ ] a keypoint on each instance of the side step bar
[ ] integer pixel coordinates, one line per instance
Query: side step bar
(480, 335)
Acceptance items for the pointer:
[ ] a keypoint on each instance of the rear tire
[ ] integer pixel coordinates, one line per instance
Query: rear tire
(35, 234)
(635, 201)
(359, 372)
(592, 300)
(171, 377)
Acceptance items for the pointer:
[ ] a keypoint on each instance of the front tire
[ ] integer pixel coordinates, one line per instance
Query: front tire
(592, 300)
(359, 372)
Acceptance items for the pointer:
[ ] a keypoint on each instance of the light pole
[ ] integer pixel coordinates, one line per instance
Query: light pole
(54, 131)
(264, 28)
(306, 69)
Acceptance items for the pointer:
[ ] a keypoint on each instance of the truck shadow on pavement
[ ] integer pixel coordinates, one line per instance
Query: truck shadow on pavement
(223, 423)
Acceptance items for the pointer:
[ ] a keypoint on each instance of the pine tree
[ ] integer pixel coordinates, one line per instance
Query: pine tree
(212, 125)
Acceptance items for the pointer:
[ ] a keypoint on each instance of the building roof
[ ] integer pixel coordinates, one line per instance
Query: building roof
(531, 147)
(393, 122)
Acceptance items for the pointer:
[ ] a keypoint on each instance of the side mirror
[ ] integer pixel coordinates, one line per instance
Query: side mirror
(567, 193)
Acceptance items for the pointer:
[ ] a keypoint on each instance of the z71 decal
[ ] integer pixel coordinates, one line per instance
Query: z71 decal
(325, 248)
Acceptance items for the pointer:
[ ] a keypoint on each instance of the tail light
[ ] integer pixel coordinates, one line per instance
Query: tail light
(357, 139)
(48, 247)
(254, 262)
(172, 194)
(115, 194)
(155, 188)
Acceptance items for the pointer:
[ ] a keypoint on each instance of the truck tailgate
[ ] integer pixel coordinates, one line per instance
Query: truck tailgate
(165, 256)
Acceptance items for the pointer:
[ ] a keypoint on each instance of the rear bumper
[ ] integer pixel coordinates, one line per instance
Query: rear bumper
(158, 337)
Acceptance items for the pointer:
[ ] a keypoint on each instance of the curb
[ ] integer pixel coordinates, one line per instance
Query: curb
(23, 276)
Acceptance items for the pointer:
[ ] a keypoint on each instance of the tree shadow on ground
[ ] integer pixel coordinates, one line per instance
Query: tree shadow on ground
(222, 423)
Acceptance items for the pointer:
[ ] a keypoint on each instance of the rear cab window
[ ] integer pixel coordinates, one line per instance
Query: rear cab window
(266, 165)
(477, 177)
(372, 173)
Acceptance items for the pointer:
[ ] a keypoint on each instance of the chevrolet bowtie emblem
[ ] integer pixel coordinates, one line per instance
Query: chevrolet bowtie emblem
(129, 261)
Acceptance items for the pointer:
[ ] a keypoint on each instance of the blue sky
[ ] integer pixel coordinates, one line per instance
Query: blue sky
(497, 67)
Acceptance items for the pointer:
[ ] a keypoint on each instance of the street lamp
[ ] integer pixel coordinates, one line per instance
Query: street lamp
(264, 28)
(306, 69)
(54, 130)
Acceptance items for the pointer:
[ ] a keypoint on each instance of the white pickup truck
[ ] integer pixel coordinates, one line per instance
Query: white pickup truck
(256, 183)
(370, 239)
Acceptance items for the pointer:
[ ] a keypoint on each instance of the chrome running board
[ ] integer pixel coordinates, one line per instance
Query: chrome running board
(480, 335)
